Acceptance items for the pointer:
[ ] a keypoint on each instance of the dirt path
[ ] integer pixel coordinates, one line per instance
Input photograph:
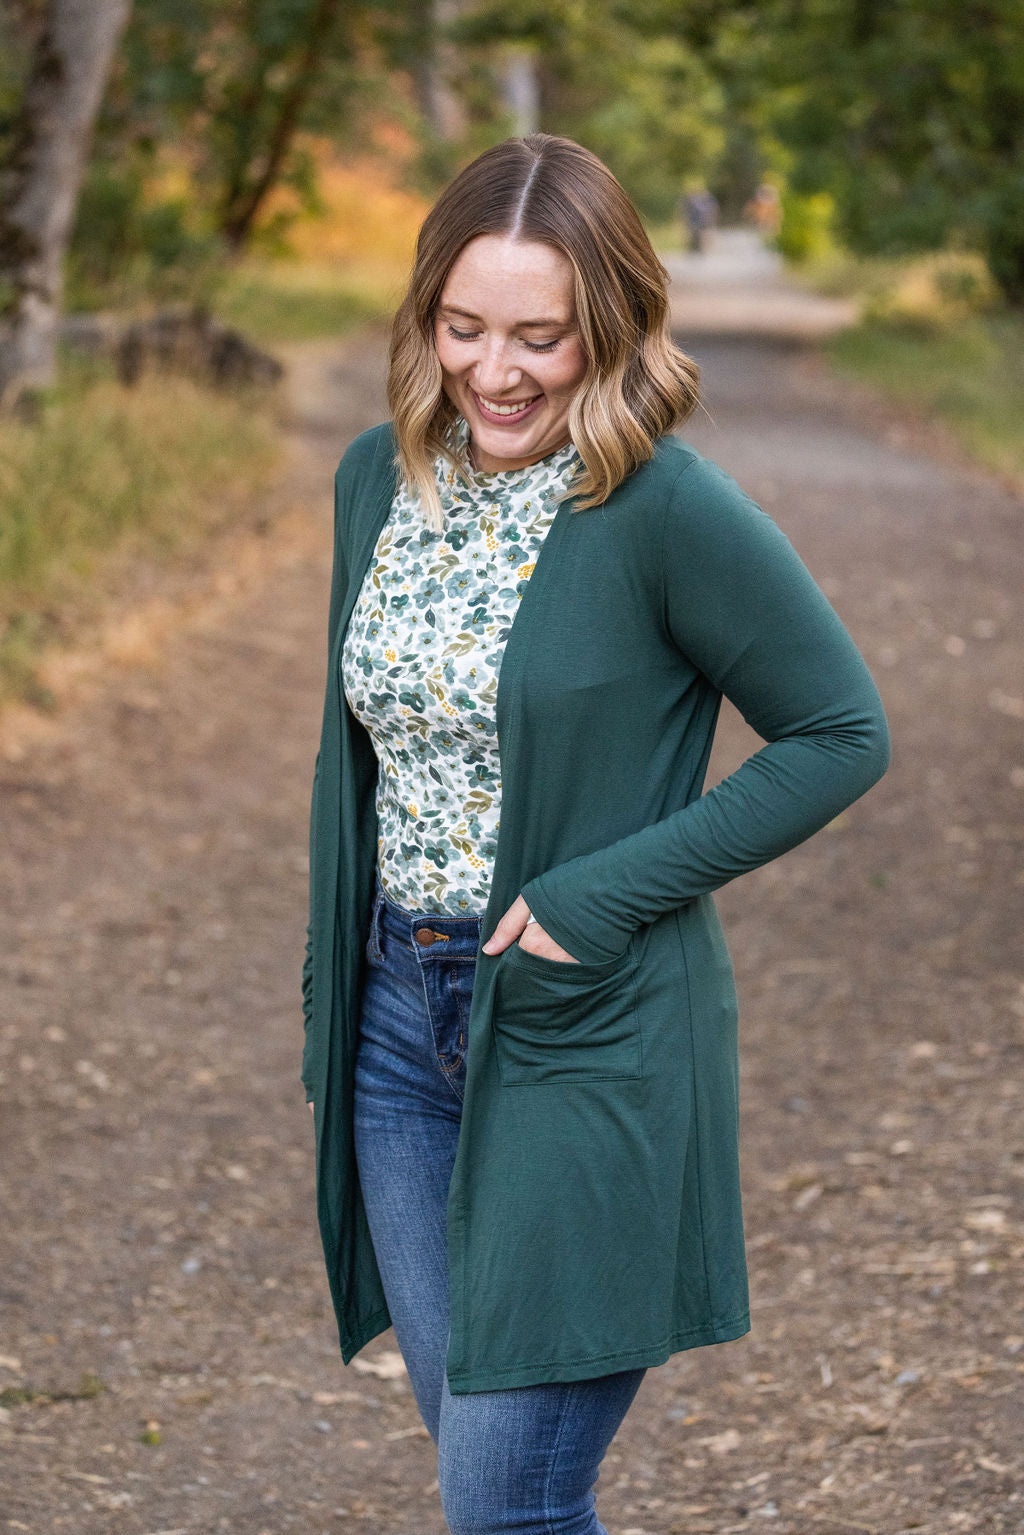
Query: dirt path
(739, 288)
(161, 1278)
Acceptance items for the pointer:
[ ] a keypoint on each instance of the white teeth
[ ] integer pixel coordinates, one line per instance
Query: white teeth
(506, 410)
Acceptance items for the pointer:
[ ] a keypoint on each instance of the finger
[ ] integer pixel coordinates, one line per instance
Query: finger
(509, 927)
(499, 939)
(543, 944)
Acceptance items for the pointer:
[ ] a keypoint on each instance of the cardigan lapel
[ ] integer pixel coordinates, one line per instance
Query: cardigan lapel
(508, 691)
(516, 641)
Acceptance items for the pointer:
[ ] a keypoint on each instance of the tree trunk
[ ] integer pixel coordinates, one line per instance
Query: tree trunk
(444, 109)
(520, 89)
(40, 183)
(253, 182)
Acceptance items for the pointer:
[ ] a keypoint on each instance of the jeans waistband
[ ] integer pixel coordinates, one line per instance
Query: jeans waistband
(429, 932)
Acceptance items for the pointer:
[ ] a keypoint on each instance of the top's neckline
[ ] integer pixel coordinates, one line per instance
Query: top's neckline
(558, 458)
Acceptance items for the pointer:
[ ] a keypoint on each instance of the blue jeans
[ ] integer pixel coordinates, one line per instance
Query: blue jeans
(524, 1458)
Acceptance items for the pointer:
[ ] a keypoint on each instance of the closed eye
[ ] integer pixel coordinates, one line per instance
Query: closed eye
(471, 335)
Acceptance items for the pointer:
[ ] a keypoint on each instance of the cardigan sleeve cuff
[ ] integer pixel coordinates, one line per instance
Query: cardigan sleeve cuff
(590, 938)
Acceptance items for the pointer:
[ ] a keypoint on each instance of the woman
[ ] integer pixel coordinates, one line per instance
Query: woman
(521, 1044)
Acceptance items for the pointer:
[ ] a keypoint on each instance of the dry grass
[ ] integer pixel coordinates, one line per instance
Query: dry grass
(936, 339)
(103, 476)
(967, 378)
(103, 480)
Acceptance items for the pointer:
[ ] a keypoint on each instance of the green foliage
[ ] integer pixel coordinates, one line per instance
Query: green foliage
(202, 121)
(624, 82)
(907, 114)
(222, 92)
(805, 233)
(930, 294)
(659, 126)
(911, 113)
(126, 247)
(1005, 232)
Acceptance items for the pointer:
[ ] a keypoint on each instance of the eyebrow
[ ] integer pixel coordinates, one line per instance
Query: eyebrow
(521, 324)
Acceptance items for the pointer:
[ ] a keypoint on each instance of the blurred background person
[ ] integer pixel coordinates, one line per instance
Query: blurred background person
(699, 211)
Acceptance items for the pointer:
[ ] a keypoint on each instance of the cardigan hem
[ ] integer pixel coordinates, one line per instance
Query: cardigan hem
(465, 1381)
(375, 1324)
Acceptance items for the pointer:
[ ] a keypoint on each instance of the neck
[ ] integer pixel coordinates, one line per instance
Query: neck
(522, 464)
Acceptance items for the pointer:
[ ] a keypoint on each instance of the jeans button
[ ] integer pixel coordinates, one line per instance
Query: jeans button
(424, 937)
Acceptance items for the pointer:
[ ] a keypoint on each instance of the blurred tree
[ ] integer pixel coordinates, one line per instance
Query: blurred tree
(911, 113)
(437, 74)
(232, 85)
(212, 105)
(520, 88)
(621, 79)
(263, 103)
(41, 177)
(739, 169)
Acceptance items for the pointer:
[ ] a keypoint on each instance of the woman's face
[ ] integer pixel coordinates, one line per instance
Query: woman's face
(506, 339)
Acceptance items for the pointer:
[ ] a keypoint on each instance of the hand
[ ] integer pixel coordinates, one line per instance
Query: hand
(312, 1109)
(513, 925)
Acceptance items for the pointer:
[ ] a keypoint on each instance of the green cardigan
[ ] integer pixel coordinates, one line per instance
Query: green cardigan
(594, 1217)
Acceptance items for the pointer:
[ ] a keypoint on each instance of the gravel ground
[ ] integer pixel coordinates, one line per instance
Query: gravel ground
(168, 1361)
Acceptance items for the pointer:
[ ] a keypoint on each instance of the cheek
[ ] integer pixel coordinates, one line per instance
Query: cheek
(567, 375)
(446, 353)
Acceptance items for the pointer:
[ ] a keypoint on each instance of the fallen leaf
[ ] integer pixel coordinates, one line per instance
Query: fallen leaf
(985, 1220)
(721, 1444)
(388, 1366)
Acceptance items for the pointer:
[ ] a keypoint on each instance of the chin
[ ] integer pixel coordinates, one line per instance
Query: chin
(517, 438)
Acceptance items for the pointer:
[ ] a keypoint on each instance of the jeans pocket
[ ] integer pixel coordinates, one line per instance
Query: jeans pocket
(558, 1022)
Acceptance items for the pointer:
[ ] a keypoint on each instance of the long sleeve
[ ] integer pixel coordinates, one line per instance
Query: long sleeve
(741, 606)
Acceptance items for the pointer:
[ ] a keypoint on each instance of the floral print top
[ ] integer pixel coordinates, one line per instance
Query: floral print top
(420, 671)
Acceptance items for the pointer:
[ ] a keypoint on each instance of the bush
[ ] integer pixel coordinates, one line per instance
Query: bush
(128, 246)
(933, 293)
(805, 233)
(1006, 240)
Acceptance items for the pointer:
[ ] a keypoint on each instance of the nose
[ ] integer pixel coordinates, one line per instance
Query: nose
(495, 374)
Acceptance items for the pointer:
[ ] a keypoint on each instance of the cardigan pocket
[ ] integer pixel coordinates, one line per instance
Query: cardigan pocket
(559, 1022)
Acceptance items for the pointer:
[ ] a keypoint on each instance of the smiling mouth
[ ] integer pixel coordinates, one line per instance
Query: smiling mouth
(508, 410)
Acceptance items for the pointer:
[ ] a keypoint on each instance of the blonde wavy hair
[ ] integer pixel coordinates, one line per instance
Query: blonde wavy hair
(638, 384)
